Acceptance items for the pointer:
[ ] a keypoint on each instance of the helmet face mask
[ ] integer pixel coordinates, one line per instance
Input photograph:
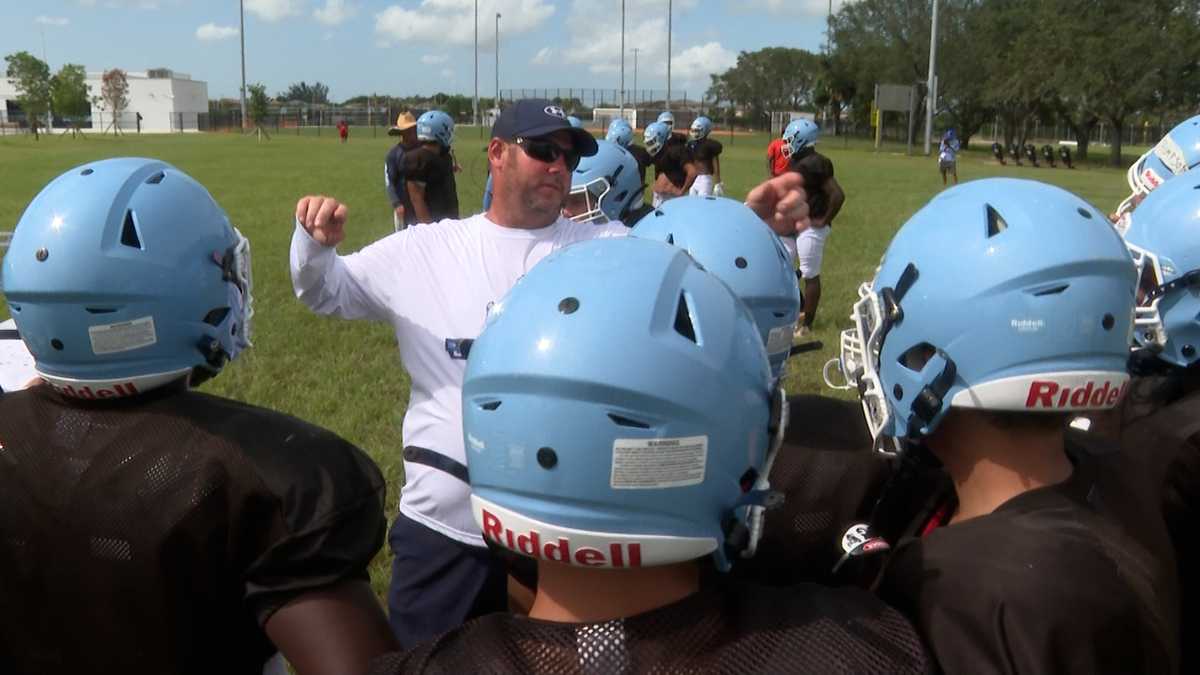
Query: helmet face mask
(605, 186)
(655, 137)
(593, 193)
(700, 128)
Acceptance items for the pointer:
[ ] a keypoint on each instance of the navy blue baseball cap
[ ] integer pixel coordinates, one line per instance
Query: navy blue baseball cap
(534, 117)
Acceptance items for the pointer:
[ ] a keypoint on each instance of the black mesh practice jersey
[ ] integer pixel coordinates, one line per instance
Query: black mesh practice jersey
(673, 159)
(704, 151)
(1159, 428)
(1071, 578)
(830, 478)
(434, 170)
(728, 628)
(158, 534)
(643, 159)
(816, 169)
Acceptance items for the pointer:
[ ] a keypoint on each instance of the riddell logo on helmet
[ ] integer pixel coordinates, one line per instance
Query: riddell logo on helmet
(1052, 395)
(530, 543)
(116, 391)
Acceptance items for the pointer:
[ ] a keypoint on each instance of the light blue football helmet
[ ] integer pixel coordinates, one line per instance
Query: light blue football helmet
(700, 129)
(668, 119)
(798, 135)
(732, 242)
(620, 132)
(1164, 239)
(610, 182)
(124, 275)
(1176, 153)
(999, 294)
(617, 411)
(655, 136)
(436, 125)
(575, 122)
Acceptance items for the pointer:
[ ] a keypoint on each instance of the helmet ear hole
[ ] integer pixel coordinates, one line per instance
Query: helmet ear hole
(216, 316)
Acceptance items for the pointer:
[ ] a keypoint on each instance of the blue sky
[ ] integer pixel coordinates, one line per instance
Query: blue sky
(411, 46)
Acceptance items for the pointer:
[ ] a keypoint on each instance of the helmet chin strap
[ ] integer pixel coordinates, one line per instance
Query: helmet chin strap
(761, 497)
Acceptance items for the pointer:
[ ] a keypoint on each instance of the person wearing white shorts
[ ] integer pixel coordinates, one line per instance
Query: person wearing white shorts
(703, 186)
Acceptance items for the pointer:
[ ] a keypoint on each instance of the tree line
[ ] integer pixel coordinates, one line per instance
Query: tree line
(1084, 62)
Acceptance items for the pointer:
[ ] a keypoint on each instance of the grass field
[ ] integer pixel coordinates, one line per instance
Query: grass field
(346, 376)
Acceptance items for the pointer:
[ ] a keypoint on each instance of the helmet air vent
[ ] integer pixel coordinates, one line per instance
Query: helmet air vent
(216, 316)
(622, 421)
(156, 178)
(995, 222)
(683, 319)
(490, 405)
(129, 231)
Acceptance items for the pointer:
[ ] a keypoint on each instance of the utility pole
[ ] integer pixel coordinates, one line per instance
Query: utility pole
(475, 103)
(931, 93)
(668, 101)
(497, 63)
(242, 36)
(635, 51)
(621, 98)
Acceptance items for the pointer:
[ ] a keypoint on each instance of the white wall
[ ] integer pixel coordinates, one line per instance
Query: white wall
(160, 101)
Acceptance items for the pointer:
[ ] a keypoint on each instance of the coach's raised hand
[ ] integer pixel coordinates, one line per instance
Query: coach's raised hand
(324, 218)
(782, 203)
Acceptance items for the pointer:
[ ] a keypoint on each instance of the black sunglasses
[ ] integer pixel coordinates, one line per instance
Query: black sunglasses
(548, 151)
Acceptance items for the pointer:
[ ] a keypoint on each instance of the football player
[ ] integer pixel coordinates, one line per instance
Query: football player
(146, 527)
(605, 188)
(825, 200)
(621, 133)
(1174, 154)
(706, 153)
(618, 411)
(674, 168)
(1159, 422)
(429, 169)
(1001, 309)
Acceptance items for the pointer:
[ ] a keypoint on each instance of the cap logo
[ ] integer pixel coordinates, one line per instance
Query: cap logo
(555, 111)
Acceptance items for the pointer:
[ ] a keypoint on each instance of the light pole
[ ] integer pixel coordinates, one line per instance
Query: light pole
(621, 97)
(668, 102)
(635, 51)
(242, 36)
(497, 63)
(475, 103)
(931, 95)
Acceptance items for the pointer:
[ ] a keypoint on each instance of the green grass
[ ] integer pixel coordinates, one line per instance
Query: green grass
(346, 376)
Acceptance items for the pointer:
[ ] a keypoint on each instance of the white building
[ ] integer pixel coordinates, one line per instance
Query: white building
(167, 101)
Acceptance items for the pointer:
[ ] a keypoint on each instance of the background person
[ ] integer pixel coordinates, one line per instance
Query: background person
(948, 156)
(405, 130)
(826, 199)
(429, 170)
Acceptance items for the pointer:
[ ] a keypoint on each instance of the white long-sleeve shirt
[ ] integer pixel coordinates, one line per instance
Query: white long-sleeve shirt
(431, 283)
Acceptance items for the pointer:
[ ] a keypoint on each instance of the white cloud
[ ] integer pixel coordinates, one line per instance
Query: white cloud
(434, 59)
(453, 21)
(447, 73)
(695, 64)
(801, 7)
(274, 10)
(542, 57)
(211, 31)
(334, 12)
(51, 20)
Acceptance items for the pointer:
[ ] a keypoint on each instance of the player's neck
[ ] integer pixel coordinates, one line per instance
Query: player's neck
(990, 464)
(576, 595)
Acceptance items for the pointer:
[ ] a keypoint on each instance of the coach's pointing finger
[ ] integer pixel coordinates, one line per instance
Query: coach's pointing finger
(782, 203)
